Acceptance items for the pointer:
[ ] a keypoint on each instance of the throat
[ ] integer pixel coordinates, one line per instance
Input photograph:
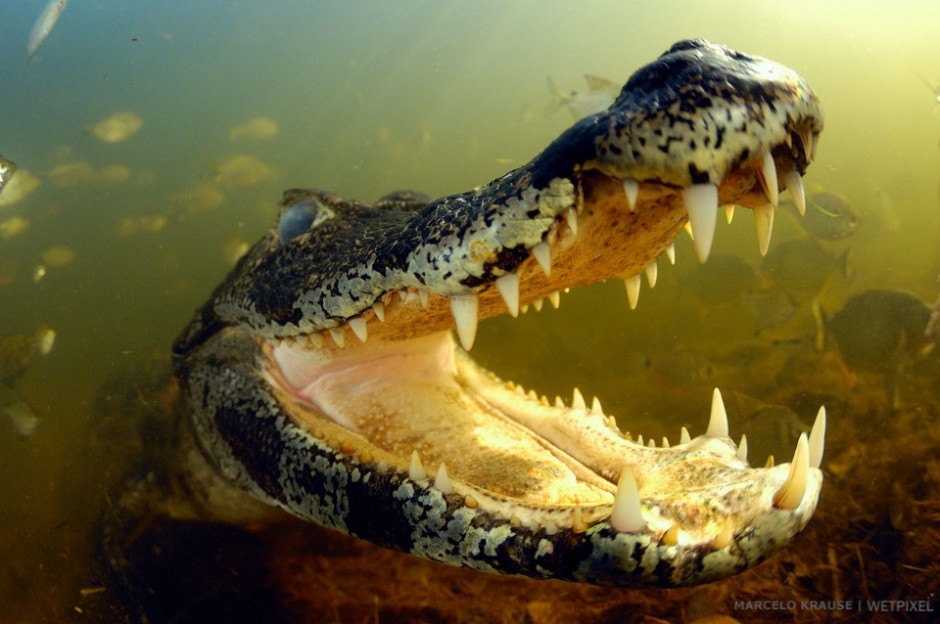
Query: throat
(423, 396)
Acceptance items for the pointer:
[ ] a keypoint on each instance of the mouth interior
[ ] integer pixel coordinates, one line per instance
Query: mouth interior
(422, 395)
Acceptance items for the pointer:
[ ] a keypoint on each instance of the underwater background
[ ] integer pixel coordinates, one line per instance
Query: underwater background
(153, 140)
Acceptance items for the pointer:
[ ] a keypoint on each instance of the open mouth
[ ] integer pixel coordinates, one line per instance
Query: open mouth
(382, 427)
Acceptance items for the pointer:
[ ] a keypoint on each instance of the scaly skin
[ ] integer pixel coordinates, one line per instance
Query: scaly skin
(322, 377)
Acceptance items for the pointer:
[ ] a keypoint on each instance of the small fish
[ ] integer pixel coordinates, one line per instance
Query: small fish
(117, 127)
(882, 331)
(17, 350)
(829, 216)
(256, 129)
(600, 94)
(7, 169)
(21, 415)
(44, 25)
(803, 268)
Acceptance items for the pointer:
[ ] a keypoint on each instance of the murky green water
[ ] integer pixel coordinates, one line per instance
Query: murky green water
(370, 97)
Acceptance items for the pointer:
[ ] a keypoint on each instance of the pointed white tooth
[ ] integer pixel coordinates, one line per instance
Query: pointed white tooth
(442, 481)
(651, 443)
(742, 449)
(464, 308)
(596, 408)
(652, 272)
(640, 440)
(633, 290)
(764, 220)
(701, 202)
(338, 337)
(524, 308)
(631, 189)
(627, 516)
(555, 299)
(794, 183)
(577, 401)
(416, 470)
(718, 421)
(559, 404)
(665, 442)
(817, 439)
(543, 255)
(790, 494)
(508, 287)
(671, 253)
(379, 308)
(358, 327)
(729, 213)
(767, 174)
(424, 295)
(684, 437)
(532, 396)
(537, 304)
(571, 218)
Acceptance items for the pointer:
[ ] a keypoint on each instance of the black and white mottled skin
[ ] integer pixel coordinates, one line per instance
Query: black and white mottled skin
(700, 114)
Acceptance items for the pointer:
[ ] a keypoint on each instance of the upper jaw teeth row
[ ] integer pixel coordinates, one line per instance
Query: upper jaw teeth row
(701, 203)
(627, 510)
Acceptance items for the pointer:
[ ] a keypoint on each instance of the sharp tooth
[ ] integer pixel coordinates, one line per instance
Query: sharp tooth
(442, 481)
(358, 327)
(555, 299)
(631, 189)
(671, 253)
(464, 308)
(701, 202)
(537, 304)
(652, 272)
(633, 290)
(742, 449)
(577, 401)
(559, 404)
(338, 337)
(532, 395)
(543, 256)
(424, 295)
(577, 520)
(651, 443)
(817, 439)
(790, 494)
(794, 183)
(724, 538)
(596, 407)
(729, 213)
(770, 462)
(764, 220)
(627, 515)
(571, 218)
(640, 441)
(665, 442)
(684, 437)
(508, 287)
(718, 422)
(416, 470)
(767, 174)
(379, 308)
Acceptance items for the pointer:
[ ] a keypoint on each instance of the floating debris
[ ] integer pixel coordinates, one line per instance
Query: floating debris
(242, 171)
(7, 169)
(18, 188)
(13, 226)
(57, 256)
(44, 25)
(600, 94)
(117, 127)
(255, 129)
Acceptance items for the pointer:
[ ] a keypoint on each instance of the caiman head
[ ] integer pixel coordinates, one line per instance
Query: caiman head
(322, 376)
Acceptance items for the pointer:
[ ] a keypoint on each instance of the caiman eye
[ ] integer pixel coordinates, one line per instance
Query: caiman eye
(300, 217)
